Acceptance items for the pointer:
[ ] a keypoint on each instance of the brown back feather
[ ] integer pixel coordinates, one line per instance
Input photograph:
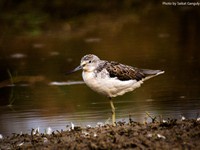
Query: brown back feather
(124, 72)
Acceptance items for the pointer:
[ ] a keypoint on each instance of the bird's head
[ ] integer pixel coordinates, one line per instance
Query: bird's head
(88, 63)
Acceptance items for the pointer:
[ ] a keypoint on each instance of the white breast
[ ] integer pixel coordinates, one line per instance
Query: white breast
(110, 87)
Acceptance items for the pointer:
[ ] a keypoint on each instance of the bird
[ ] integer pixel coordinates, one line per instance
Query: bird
(110, 78)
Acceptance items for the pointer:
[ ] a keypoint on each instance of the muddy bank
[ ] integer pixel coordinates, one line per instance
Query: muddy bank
(176, 134)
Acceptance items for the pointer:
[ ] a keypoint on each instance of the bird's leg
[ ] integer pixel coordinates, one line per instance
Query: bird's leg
(113, 112)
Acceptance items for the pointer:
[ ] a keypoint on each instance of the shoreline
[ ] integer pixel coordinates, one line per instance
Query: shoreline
(171, 133)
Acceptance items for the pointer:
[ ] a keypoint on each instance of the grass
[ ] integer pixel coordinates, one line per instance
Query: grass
(11, 97)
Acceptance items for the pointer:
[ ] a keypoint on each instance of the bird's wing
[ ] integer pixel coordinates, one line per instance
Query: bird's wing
(124, 72)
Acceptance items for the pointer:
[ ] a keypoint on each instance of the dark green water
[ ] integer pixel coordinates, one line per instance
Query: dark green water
(42, 96)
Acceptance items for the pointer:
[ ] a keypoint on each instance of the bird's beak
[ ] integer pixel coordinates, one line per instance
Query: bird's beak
(74, 70)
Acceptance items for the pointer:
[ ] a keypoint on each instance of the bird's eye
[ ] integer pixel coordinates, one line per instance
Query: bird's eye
(90, 61)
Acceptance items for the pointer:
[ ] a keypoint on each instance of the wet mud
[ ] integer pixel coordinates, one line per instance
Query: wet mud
(165, 134)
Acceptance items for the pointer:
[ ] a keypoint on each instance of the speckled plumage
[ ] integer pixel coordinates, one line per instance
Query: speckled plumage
(121, 71)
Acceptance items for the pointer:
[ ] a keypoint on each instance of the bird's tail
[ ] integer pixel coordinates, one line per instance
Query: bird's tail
(151, 73)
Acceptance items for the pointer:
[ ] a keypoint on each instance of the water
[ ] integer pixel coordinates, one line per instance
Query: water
(42, 96)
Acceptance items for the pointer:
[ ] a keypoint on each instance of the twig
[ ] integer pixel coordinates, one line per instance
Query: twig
(152, 118)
